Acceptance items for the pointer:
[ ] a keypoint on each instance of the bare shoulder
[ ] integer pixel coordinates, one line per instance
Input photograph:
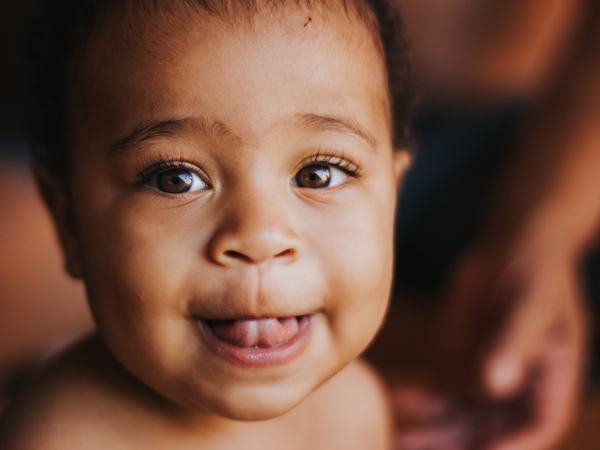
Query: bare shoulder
(79, 401)
(353, 408)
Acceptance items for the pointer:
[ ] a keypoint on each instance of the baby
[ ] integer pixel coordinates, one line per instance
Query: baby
(222, 176)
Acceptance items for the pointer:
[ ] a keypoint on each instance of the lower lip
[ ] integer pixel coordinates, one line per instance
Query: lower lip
(256, 356)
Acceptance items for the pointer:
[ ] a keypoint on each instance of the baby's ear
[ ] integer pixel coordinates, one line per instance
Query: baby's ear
(402, 161)
(56, 197)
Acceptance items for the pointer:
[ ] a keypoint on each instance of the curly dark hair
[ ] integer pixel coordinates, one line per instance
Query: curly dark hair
(63, 28)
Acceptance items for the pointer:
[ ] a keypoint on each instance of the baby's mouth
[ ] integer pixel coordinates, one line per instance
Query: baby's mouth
(256, 333)
(257, 342)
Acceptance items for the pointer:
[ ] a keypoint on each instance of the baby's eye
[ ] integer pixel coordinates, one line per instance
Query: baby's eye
(318, 176)
(177, 181)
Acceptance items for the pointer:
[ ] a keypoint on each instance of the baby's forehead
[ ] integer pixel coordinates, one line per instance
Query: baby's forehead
(153, 25)
(172, 61)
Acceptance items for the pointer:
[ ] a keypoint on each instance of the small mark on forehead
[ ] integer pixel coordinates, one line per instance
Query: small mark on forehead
(309, 20)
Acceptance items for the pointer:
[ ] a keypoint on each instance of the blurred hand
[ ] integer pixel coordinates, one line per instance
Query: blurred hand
(512, 345)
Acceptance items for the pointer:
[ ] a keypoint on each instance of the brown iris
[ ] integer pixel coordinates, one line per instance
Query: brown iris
(175, 181)
(314, 176)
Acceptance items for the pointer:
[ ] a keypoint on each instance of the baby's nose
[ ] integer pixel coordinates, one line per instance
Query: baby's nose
(255, 234)
(269, 245)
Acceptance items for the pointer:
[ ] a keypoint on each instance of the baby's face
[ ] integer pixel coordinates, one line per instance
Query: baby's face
(233, 194)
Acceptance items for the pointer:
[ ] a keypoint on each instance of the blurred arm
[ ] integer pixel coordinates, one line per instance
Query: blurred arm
(474, 50)
(554, 185)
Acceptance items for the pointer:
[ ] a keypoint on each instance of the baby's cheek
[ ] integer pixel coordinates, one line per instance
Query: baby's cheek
(359, 284)
(137, 263)
(138, 268)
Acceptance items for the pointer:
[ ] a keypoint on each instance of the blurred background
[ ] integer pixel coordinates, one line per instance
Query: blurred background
(41, 309)
(481, 68)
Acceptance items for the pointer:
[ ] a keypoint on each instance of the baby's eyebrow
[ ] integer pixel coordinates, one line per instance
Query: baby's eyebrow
(166, 127)
(147, 130)
(337, 124)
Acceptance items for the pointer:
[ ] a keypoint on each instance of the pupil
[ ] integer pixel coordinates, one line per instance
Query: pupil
(314, 176)
(175, 181)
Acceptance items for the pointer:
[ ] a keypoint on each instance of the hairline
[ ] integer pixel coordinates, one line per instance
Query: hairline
(236, 13)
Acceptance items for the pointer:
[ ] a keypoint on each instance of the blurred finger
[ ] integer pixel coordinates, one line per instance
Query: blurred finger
(511, 356)
(555, 395)
(535, 315)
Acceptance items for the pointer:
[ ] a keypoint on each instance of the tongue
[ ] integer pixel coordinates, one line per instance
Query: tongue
(255, 333)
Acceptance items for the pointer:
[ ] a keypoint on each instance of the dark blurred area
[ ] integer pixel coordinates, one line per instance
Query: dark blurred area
(460, 159)
(464, 140)
(482, 70)
(41, 308)
(15, 26)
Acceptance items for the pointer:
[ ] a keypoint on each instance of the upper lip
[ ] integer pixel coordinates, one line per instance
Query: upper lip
(233, 307)
(226, 317)
(254, 295)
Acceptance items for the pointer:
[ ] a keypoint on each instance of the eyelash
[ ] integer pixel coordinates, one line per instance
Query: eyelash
(321, 156)
(168, 162)
(342, 162)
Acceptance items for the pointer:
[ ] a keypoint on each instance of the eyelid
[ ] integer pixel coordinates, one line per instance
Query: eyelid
(335, 159)
(166, 164)
(146, 177)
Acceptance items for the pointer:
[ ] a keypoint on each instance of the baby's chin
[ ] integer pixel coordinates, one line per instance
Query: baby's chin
(265, 409)
(254, 404)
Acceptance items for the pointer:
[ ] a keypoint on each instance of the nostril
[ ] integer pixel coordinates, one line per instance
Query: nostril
(287, 252)
(237, 255)
(234, 254)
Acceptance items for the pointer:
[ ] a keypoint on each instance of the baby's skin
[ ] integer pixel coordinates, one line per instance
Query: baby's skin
(229, 206)
(87, 401)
